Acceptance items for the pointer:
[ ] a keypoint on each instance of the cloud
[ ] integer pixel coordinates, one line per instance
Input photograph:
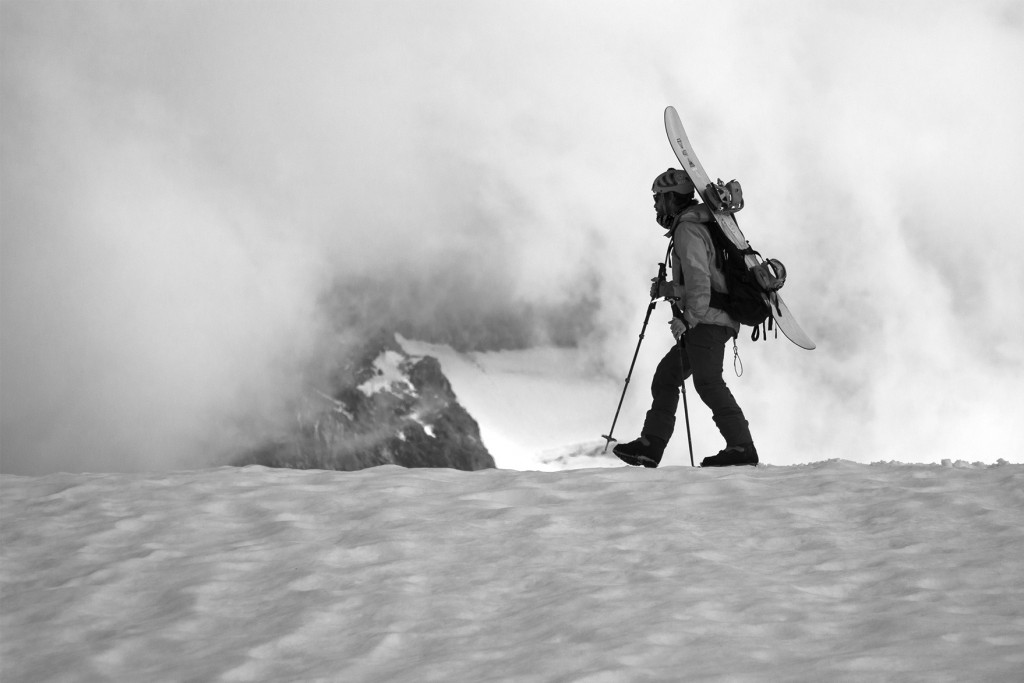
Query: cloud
(184, 183)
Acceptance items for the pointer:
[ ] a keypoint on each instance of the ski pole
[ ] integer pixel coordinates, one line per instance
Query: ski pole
(650, 308)
(686, 409)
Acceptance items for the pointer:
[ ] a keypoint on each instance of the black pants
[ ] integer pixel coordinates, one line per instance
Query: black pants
(704, 347)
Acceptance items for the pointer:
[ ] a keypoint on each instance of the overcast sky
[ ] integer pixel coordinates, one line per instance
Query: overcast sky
(182, 180)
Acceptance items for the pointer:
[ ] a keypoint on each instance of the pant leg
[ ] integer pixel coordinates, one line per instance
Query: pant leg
(705, 349)
(668, 377)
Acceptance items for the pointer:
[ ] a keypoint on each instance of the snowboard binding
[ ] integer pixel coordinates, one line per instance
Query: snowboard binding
(724, 198)
(770, 274)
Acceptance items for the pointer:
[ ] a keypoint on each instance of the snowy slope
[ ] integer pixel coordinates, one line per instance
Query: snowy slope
(825, 572)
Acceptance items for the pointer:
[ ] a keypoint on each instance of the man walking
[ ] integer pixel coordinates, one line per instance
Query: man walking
(700, 329)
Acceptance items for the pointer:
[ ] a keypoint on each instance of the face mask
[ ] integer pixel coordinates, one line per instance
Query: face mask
(661, 207)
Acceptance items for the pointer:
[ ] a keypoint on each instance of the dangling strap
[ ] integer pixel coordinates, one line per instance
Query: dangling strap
(669, 256)
(737, 362)
(762, 330)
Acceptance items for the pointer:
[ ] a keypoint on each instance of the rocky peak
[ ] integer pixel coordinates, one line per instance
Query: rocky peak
(385, 407)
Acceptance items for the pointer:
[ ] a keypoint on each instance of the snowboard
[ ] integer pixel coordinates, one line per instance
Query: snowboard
(693, 168)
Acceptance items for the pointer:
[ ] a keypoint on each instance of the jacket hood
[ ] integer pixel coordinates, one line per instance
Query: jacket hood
(698, 213)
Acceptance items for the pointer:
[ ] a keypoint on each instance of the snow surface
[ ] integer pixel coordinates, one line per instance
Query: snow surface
(833, 571)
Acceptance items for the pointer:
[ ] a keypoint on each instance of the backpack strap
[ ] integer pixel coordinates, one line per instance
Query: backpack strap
(719, 300)
(761, 331)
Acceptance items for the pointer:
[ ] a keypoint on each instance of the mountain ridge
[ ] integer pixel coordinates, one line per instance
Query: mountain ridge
(384, 406)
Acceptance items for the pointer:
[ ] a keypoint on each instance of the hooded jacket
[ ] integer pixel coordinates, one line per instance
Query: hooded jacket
(695, 270)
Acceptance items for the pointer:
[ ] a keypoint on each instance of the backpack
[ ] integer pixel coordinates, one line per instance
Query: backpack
(748, 287)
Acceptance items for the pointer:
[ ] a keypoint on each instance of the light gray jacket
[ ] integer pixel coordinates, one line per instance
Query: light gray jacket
(695, 272)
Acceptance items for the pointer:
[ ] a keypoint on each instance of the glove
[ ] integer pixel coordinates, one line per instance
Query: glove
(679, 328)
(662, 289)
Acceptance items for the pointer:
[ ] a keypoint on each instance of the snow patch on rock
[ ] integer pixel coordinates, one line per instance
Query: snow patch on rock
(389, 375)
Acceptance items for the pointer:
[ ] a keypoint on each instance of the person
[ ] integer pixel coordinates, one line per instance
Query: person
(701, 332)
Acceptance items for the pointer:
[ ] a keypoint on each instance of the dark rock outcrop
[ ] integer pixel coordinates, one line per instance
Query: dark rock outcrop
(384, 407)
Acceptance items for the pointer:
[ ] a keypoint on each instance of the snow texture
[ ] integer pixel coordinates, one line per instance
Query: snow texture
(388, 375)
(832, 571)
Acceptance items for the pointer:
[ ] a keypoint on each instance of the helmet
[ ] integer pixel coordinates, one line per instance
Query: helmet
(673, 180)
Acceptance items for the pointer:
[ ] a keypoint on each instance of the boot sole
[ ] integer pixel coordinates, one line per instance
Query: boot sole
(636, 460)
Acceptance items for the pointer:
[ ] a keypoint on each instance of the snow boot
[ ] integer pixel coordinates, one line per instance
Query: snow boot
(644, 451)
(745, 454)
